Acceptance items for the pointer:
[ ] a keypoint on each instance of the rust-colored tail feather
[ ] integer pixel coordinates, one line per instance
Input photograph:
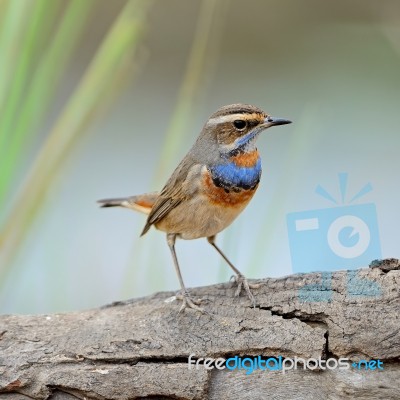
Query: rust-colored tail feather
(142, 203)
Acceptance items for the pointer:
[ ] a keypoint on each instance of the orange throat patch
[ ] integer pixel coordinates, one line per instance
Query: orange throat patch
(246, 159)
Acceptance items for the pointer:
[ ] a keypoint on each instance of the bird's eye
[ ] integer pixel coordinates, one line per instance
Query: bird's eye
(239, 124)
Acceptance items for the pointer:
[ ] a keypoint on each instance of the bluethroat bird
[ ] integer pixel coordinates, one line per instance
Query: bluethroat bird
(210, 187)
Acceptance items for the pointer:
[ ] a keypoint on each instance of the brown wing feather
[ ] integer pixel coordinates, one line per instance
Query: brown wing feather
(174, 192)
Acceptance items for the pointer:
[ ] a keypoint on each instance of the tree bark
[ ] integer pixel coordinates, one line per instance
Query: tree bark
(139, 348)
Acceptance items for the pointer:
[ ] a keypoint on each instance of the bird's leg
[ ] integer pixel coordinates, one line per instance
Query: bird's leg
(240, 279)
(184, 295)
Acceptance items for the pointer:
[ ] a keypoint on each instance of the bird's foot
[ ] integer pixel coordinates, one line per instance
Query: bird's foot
(242, 283)
(188, 302)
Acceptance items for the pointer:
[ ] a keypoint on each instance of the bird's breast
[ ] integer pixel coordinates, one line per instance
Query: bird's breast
(241, 171)
(234, 182)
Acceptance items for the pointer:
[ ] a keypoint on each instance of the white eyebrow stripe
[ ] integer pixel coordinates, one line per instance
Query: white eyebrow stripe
(224, 118)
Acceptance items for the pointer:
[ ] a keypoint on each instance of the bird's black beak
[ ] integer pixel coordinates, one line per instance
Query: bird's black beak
(272, 121)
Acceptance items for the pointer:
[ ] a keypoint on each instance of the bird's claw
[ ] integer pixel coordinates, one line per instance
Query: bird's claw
(188, 302)
(242, 283)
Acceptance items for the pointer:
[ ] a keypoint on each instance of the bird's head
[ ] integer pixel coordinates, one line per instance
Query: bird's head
(237, 126)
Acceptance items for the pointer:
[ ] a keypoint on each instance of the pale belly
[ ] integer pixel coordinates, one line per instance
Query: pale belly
(198, 218)
(207, 213)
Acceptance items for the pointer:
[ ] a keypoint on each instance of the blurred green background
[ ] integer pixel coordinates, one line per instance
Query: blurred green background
(103, 98)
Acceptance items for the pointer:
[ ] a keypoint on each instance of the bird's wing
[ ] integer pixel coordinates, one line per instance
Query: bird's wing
(179, 187)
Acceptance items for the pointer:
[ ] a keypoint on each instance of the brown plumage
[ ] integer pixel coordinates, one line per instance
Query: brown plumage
(210, 186)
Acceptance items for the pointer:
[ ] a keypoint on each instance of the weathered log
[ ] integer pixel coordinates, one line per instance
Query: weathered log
(139, 348)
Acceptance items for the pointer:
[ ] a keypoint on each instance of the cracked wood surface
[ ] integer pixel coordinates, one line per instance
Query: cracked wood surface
(138, 349)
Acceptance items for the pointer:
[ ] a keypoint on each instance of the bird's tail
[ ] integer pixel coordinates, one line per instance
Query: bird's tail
(142, 203)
